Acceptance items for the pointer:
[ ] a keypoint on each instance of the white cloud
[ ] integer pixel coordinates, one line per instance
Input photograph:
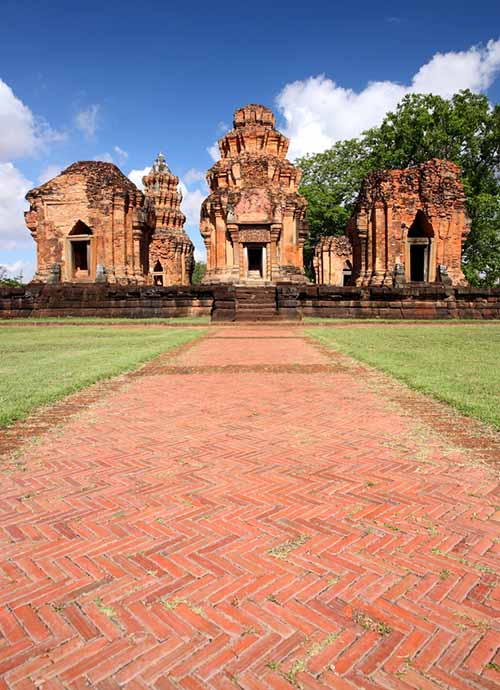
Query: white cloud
(21, 133)
(17, 126)
(214, 151)
(104, 157)
(222, 127)
(120, 154)
(13, 187)
(191, 203)
(23, 268)
(193, 175)
(88, 120)
(137, 175)
(319, 112)
(48, 173)
(200, 255)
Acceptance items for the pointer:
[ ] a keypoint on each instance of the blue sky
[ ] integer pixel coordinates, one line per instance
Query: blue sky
(120, 81)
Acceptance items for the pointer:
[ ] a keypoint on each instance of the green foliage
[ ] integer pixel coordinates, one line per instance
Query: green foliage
(465, 130)
(435, 359)
(5, 281)
(199, 272)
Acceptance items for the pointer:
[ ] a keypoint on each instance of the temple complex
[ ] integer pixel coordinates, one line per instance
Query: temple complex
(408, 226)
(253, 222)
(92, 224)
(171, 251)
(332, 261)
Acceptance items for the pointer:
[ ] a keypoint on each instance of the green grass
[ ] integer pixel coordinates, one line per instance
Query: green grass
(43, 364)
(457, 364)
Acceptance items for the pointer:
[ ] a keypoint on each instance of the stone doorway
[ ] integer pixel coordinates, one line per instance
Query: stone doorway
(418, 262)
(80, 252)
(255, 254)
(158, 274)
(420, 268)
(81, 256)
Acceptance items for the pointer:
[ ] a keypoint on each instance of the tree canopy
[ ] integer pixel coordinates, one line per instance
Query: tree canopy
(464, 129)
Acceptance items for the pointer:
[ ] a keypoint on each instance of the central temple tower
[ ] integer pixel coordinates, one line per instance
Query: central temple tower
(253, 222)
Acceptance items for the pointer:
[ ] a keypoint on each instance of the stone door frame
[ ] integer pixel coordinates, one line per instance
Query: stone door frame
(69, 264)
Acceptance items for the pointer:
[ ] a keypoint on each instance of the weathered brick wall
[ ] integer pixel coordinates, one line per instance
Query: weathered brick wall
(223, 302)
(432, 302)
(105, 300)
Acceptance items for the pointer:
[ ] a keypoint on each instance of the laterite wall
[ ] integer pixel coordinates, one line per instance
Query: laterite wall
(229, 303)
(68, 299)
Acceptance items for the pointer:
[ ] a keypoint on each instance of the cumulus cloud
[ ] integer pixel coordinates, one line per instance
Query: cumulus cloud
(13, 187)
(193, 175)
(23, 268)
(318, 111)
(137, 175)
(121, 155)
(21, 133)
(214, 151)
(104, 157)
(191, 203)
(87, 120)
(48, 173)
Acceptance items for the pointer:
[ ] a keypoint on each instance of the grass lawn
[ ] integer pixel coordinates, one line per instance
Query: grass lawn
(43, 364)
(458, 364)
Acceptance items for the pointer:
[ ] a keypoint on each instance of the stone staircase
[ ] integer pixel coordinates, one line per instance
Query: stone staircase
(255, 303)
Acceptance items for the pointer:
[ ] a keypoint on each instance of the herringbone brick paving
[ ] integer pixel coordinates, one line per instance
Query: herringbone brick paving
(251, 527)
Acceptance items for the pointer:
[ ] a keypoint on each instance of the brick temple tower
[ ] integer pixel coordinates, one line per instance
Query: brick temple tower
(409, 225)
(253, 222)
(171, 251)
(90, 224)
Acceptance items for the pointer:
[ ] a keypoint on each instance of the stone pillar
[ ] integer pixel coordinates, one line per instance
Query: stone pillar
(274, 250)
(232, 229)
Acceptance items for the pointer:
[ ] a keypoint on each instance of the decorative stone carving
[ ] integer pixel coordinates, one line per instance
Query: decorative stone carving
(414, 217)
(253, 222)
(171, 252)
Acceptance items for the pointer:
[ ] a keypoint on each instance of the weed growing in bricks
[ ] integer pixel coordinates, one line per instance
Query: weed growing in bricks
(106, 610)
(282, 550)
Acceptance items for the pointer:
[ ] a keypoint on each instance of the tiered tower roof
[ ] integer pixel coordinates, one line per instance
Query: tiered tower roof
(161, 186)
(253, 153)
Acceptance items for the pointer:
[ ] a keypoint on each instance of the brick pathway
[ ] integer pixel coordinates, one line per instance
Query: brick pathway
(248, 516)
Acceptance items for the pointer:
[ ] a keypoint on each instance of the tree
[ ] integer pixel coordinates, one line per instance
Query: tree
(330, 183)
(198, 273)
(6, 281)
(465, 130)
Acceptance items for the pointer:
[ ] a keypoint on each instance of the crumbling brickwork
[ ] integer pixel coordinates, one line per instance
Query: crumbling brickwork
(171, 251)
(408, 226)
(332, 261)
(253, 221)
(90, 223)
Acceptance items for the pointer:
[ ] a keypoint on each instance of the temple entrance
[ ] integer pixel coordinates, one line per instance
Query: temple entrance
(419, 240)
(80, 251)
(158, 274)
(418, 262)
(255, 261)
(347, 273)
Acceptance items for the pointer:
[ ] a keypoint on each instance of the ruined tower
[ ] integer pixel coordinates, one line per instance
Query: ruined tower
(253, 222)
(90, 223)
(408, 226)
